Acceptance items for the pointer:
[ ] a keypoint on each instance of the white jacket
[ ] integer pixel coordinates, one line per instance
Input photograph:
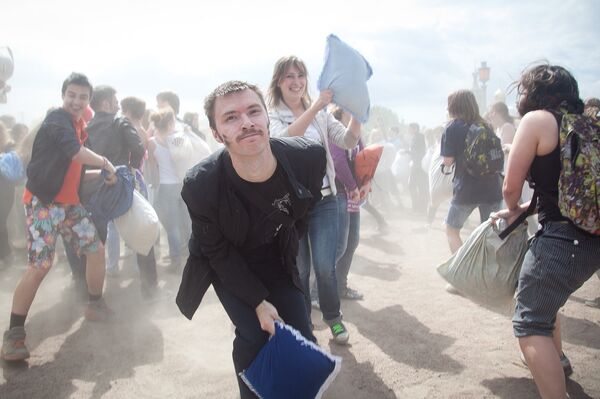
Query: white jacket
(330, 130)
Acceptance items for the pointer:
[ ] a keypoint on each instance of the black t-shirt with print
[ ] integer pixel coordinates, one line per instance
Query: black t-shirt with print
(261, 249)
(467, 189)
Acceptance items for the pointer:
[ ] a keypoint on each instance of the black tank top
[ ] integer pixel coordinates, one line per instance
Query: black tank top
(544, 173)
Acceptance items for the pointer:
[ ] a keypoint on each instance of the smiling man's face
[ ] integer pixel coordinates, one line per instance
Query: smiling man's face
(242, 123)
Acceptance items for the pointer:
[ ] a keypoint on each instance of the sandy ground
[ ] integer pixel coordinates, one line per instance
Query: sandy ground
(409, 338)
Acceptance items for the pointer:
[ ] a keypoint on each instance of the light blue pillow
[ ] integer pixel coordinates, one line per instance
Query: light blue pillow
(290, 366)
(346, 72)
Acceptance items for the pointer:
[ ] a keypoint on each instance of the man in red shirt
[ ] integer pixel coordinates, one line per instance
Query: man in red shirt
(53, 207)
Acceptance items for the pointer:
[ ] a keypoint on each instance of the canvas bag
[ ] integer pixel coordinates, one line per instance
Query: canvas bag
(139, 226)
(440, 180)
(483, 155)
(486, 268)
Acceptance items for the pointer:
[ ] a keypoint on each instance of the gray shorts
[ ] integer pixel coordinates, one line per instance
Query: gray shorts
(560, 259)
(459, 213)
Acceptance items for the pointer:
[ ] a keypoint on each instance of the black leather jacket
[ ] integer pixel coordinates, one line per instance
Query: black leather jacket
(116, 139)
(220, 223)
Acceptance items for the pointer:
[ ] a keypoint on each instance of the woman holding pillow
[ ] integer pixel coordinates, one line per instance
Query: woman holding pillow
(292, 113)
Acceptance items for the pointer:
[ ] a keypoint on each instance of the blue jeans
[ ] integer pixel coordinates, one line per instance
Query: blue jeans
(249, 337)
(348, 237)
(318, 247)
(173, 216)
(113, 247)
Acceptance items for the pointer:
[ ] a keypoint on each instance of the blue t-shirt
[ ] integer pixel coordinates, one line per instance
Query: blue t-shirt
(467, 189)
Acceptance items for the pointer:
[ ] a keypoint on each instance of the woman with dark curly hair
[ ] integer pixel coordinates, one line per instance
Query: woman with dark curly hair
(561, 256)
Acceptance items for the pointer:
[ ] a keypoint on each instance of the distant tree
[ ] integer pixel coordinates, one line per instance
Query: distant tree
(381, 118)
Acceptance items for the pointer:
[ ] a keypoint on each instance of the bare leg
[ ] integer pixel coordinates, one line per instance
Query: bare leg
(543, 361)
(26, 289)
(454, 240)
(557, 336)
(95, 271)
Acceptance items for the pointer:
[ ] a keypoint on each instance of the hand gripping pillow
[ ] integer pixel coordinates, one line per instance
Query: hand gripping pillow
(290, 366)
(346, 72)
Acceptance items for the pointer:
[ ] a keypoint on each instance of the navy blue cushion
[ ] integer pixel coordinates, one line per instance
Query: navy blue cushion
(290, 366)
(346, 73)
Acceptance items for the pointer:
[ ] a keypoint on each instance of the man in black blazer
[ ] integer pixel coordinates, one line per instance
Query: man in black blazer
(247, 203)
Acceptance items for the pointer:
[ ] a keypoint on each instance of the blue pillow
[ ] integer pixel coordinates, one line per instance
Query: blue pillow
(290, 366)
(346, 73)
(11, 166)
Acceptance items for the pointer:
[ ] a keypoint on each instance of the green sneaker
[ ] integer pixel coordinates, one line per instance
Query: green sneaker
(13, 345)
(339, 332)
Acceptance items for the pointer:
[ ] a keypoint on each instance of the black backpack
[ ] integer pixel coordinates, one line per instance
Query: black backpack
(483, 155)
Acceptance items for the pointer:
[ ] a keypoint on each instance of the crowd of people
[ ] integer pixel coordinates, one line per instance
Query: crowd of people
(279, 200)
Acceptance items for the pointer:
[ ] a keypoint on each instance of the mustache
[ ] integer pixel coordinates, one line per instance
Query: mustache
(250, 132)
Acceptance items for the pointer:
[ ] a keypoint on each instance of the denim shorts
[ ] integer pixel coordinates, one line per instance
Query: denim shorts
(560, 259)
(459, 213)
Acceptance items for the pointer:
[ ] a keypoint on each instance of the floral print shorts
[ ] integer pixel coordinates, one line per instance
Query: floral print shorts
(45, 222)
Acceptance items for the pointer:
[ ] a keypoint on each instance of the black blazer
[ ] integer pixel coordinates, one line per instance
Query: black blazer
(220, 223)
(54, 147)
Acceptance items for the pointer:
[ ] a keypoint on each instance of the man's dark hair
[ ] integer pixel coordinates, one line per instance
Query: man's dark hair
(101, 93)
(548, 87)
(415, 126)
(171, 98)
(134, 106)
(233, 86)
(79, 79)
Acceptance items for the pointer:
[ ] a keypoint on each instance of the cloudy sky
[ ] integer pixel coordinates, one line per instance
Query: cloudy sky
(420, 51)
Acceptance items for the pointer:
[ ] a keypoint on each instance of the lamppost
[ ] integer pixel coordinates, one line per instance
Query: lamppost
(6, 71)
(484, 76)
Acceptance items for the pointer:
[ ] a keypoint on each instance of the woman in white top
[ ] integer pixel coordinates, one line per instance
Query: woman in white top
(169, 205)
(503, 123)
(292, 113)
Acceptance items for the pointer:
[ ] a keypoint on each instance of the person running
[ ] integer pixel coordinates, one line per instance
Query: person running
(293, 114)
(52, 206)
(469, 192)
(562, 256)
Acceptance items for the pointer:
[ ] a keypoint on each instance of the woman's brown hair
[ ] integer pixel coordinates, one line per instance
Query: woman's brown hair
(463, 105)
(162, 118)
